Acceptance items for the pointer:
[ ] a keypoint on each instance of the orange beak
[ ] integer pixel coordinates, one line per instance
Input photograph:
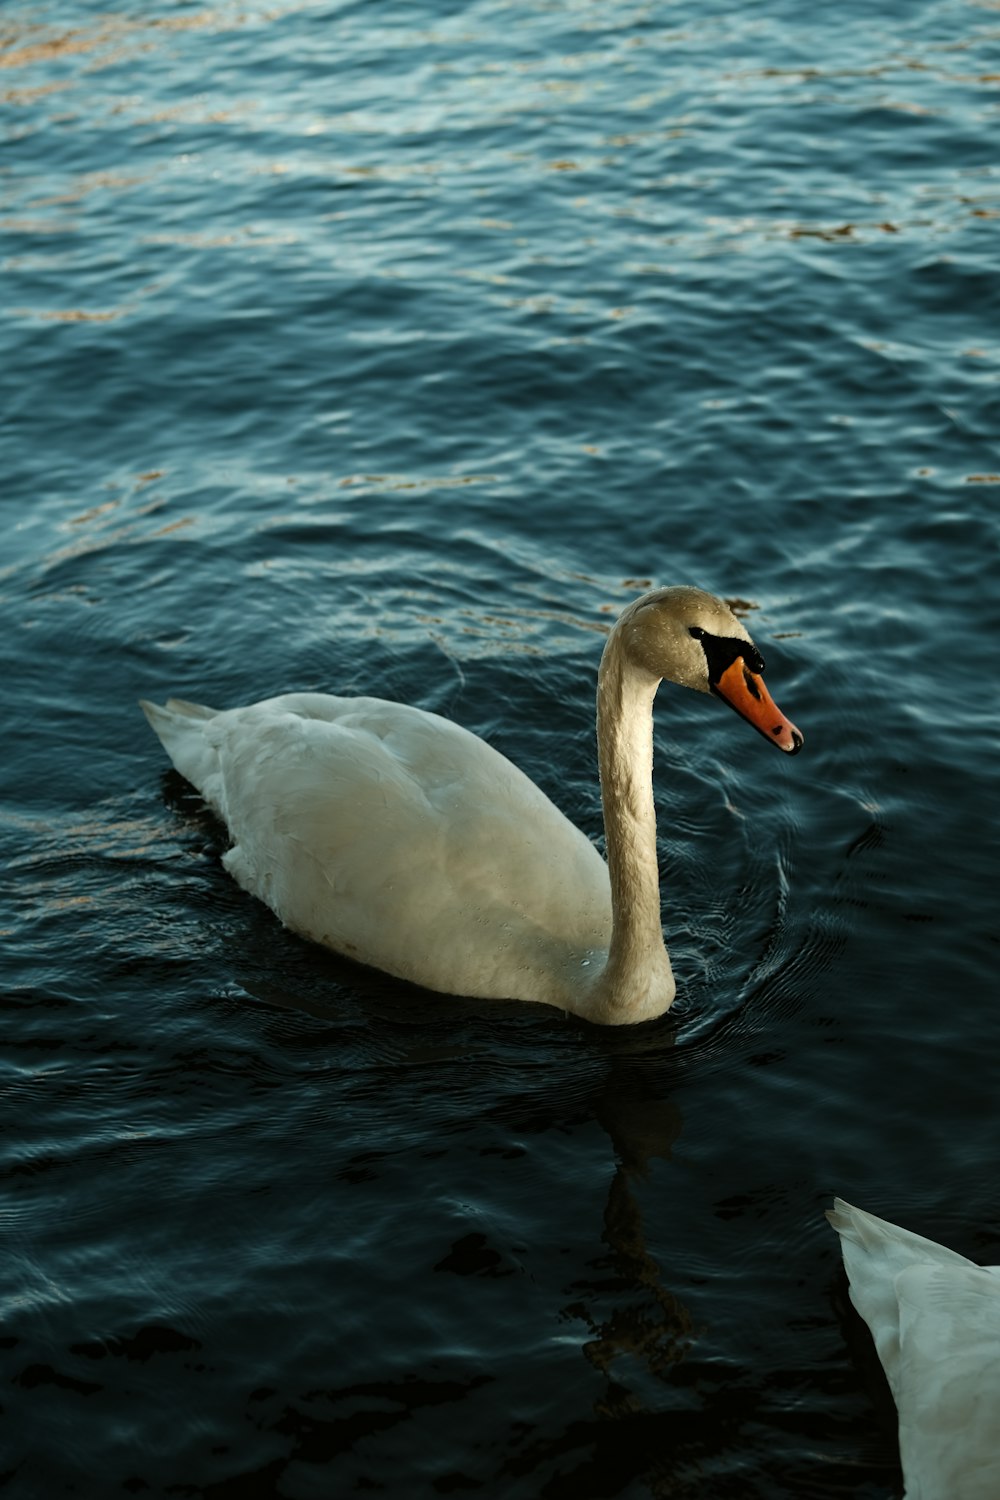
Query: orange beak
(745, 691)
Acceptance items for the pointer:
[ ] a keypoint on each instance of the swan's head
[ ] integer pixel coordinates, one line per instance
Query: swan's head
(694, 639)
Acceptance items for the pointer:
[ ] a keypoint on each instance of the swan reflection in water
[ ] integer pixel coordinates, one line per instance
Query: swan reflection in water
(646, 1320)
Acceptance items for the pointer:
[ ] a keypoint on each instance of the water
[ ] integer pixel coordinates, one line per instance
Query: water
(393, 349)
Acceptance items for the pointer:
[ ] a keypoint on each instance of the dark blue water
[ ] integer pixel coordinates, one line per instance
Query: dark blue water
(393, 348)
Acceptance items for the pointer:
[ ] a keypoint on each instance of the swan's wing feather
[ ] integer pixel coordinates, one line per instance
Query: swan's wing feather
(876, 1252)
(182, 729)
(334, 804)
(863, 1234)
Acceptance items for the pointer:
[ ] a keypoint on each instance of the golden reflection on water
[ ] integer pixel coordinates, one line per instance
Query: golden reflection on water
(24, 96)
(89, 182)
(24, 46)
(112, 36)
(70, 314)
(103, 527)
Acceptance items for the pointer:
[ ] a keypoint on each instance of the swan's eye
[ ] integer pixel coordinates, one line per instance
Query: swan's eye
(722, 650)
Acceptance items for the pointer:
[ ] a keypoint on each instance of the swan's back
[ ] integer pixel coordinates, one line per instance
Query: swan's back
(935, 1320)
(343, 809)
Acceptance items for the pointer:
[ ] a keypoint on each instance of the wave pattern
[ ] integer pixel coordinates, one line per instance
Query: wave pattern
(393, 349)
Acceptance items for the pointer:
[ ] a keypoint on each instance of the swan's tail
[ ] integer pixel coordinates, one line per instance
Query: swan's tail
(181, 728)
(876, 1253)
(875, 1244)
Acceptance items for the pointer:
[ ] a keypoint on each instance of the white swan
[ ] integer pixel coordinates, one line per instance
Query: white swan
(398, 838)
(935, 1319)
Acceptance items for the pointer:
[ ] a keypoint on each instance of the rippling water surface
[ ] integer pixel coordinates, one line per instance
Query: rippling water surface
(393, 348)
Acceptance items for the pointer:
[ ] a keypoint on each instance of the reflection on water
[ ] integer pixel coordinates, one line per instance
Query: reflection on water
(653, 1327)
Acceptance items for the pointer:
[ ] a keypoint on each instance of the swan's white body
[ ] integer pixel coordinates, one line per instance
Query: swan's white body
(935, 1319)
(470, 846)
(399, 838)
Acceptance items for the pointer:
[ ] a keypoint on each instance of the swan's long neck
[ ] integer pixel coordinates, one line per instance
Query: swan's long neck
(637, 982)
